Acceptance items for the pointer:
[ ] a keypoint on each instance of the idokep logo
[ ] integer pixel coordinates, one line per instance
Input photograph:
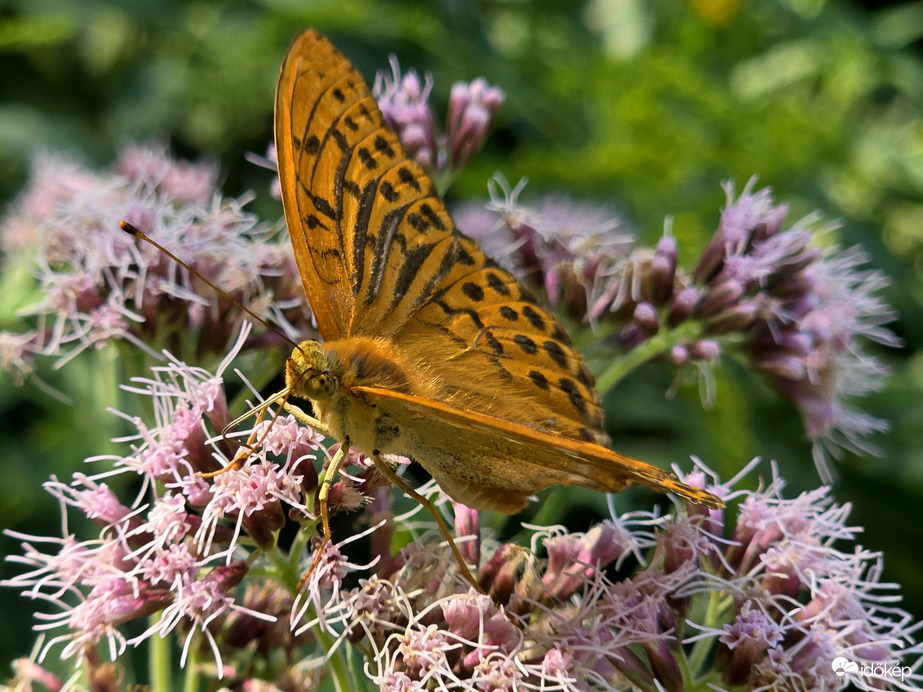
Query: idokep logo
(842, 666)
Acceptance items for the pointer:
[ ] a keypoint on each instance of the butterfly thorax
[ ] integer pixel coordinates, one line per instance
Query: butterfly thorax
(326, 374)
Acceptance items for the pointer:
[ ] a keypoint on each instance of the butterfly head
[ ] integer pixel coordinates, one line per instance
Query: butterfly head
(307, 373)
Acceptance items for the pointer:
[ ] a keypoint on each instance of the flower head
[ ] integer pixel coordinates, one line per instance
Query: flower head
(404, 103)
(178, 552)
(801, 315)
(567, 248)
(99, 285)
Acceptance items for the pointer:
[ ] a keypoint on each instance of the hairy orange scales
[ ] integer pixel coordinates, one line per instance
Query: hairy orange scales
(432, 351)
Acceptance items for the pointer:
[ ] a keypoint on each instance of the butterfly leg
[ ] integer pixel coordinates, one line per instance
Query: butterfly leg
(323, 493)
(385, 470)
(244, 450)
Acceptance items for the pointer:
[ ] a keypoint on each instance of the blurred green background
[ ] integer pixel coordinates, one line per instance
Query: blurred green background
(644, 105)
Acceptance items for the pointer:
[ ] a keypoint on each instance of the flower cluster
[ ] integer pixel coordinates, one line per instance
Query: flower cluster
(99, 285)
(799, 314)
(763, 600)
(180, 550)
(770, 594)
(404, 102)
(570, 249)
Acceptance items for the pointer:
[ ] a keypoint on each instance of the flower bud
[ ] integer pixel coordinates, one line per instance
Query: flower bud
(468, 532)
(663, 270)
(719, 297)
(683, 304)
(646, 319)
(707, 350)
(261, 525)
(471, 110)
(228, 576)
(679, 356)
(736, 319)
(501, 572)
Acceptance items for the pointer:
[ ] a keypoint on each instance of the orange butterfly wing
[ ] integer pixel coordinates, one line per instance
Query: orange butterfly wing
(380, 256)
(371, 236)
(523, 456)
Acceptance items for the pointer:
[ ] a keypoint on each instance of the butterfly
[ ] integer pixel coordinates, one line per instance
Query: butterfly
(430, 349)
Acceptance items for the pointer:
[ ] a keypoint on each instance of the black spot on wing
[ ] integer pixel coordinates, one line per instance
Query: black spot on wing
(584, 376)
(464, 257)
(526, 344)
(367, 159)
(569, 387)
(351, 187)
(509, 313)
(492, 343)
(340, 140)
(539, 380)
(388, 192)
(496, 283)
(534, 317)
(559, 334)
(418, 222)
(475, 318)
(556, 353)
(473, 291)
(432, 217)
(406, 176)
(324, 207)
(382, 146)
(525, 296)
(311, 222)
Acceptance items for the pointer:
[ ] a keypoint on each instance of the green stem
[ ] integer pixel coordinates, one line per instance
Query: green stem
(191, 683)
(717, 605)
(160, 661)
(661, 342)
(339, 670)
(107, 372)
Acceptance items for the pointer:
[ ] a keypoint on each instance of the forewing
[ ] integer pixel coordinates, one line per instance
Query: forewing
(380, 256)
(492, 463)
(371, 237)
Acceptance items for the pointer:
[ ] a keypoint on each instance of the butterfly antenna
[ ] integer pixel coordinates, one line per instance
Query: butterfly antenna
(262, 406)
(244, 450)
(134, 231)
